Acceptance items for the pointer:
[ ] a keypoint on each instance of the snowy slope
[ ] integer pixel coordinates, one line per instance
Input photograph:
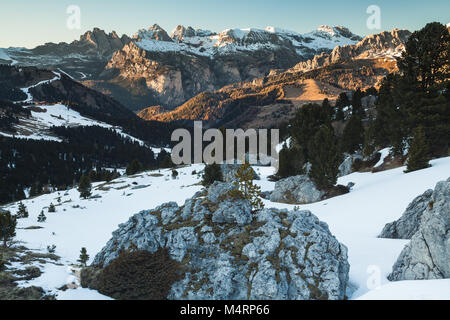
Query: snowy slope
(355, 219)
(229, 41)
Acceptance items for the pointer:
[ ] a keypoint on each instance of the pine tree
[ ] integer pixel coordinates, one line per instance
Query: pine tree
(174, 174)
(325, 158)
(212, 173)
(42, 218)
(8, 225)
(357, 107)
(245, 188)
(290, 162)
(22, 212)
(84, 257)
(85, 187)
(341, 102)
(353, 136)
(51, 208)
(418, 157)
(134, 167)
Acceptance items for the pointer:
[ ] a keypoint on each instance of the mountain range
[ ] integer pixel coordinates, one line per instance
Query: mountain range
(153, 68)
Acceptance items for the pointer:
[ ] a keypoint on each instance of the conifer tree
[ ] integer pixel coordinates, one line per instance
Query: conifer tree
(22, 212)
(134, 167)
(212, 173)
(51, 208)
(85, 187)
(325, 158)
(245, 188)
(290, 162)
(8, 225)
(42, 218)
(353, 136)
(418, 157)
(84, 257)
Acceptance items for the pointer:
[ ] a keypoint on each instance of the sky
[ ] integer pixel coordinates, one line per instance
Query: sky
(26, 23)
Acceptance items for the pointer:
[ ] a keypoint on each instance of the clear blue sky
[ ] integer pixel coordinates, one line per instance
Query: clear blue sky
(29, 23)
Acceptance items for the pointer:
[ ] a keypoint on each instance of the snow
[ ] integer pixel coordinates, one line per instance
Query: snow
(235, 40)
(384, 154)
(411, 290)
(26, 90)
(355, 219)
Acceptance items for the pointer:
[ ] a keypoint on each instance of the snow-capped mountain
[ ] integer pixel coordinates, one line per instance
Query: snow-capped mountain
(208, 43)
(176, 67)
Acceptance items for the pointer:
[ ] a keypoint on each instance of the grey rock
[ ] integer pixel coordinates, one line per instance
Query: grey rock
(427, 256)
(229, 172)
(409, 223)
(231, 254)
(296, 190)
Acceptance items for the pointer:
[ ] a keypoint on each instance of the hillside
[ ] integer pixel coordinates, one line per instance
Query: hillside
(376, 199)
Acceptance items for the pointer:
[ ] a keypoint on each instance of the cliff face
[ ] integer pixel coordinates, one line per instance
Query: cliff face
(387, 45)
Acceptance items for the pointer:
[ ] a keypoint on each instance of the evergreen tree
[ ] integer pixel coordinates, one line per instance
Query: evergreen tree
(369, 142)
(325, 158)
(22, 212)
(341, 102)
(85, 187)
(174, 174)
(418, 157)
(305, 125)
(213, 172)
(134, 167)
(357, 107)
(52, 208)
(290, 162)
(245, 188)
(8, 225)
(427, 55)
(84, 257)
(353, 136)
(42, 218)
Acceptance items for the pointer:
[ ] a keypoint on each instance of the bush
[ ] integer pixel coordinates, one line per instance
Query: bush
(213, 173)
(140, 275)
(8, 225)
(134, 167)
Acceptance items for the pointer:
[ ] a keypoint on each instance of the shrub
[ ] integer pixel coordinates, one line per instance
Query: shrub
(140, 275)
(134, 167)
(8, 225)
(22, 212)
(213, 173)
(52, 208)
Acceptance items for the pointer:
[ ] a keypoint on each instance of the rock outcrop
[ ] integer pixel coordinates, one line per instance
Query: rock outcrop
(231, 253)
(409, 223)
(427, 256)
(385, 45)
(296, 190)
(229, 172)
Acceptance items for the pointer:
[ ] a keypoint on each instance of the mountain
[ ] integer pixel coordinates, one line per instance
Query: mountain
(81, 59)
(155, 68)
(388, 45)
(269, 100)
(159, 69)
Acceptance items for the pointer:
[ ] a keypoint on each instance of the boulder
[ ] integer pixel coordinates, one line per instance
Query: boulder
(409, 223)
(296, 190)
(229, 172)
(228, 253)
(427, 256)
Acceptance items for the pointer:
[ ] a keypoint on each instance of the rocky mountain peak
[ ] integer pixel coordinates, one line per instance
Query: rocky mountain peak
(181, 32)
(155, 32)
